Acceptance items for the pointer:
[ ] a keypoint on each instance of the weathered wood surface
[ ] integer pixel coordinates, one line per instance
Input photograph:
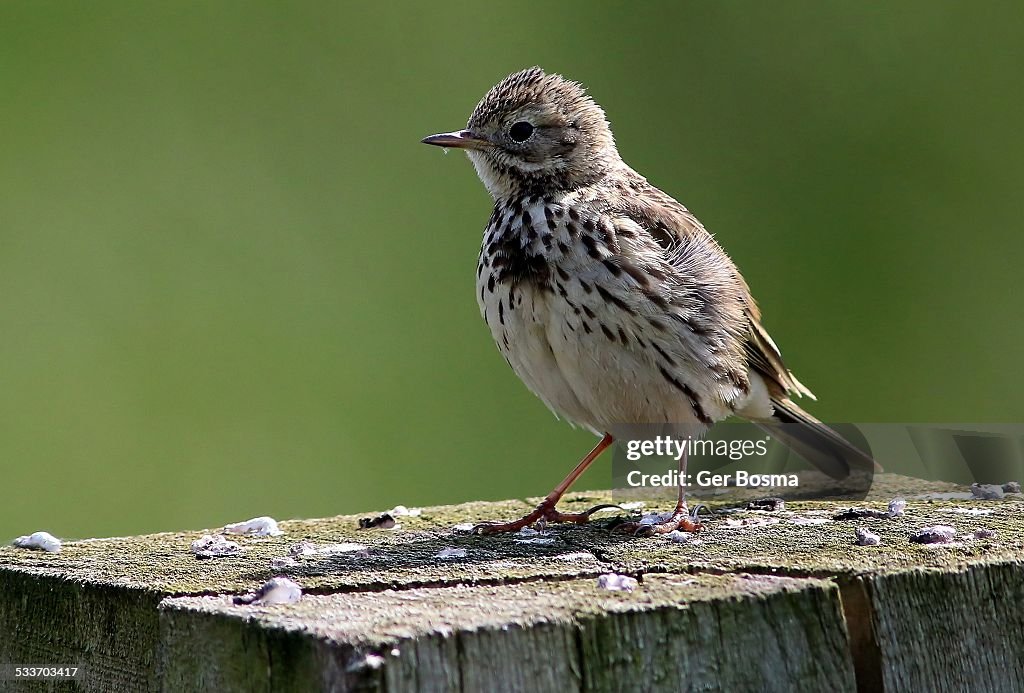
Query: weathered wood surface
(757, 601)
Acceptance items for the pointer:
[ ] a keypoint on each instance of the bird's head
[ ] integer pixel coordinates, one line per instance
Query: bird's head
(535, 133)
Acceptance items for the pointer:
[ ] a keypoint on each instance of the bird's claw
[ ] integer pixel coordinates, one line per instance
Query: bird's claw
(542, 514)
(682, 519)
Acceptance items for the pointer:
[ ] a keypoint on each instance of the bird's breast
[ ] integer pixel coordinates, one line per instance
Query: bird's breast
(526, 249)
(581, 306)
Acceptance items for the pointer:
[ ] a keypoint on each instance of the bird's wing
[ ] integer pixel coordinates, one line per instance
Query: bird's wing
(764, 357)
(677, 231)
(697, 256)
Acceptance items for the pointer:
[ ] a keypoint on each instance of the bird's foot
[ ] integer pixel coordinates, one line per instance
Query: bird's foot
(682, 520)
(542, 514)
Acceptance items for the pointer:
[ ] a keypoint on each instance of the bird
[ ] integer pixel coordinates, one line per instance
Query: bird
(609, 299)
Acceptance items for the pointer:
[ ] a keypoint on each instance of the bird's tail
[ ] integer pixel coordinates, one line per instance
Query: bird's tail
(816, 442)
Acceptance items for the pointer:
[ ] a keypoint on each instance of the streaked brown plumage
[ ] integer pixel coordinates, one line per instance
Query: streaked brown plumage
(609, 298)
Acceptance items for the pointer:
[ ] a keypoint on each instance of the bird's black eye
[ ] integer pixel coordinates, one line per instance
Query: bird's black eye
(521, 131)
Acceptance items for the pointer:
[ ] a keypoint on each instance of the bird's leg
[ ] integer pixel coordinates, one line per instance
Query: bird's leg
(546, 510)
(680, 519)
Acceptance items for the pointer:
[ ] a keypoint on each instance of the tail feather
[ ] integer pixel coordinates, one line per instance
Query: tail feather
(816, 442)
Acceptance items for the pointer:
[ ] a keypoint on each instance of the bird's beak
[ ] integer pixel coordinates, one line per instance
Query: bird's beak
(461, 139)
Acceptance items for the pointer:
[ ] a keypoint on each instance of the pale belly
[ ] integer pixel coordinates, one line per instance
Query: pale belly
(591, 364)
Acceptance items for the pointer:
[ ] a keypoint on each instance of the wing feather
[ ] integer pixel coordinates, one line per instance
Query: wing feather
(680, 233)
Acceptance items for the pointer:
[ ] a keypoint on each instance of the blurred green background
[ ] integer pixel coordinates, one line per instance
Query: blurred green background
(233, 283)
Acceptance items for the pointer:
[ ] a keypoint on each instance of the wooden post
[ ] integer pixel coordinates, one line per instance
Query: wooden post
(760, 600)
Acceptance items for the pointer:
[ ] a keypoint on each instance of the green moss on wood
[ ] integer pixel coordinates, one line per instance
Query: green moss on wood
(509, 610)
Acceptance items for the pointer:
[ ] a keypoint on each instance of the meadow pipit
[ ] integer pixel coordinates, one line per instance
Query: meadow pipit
(607, 297)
